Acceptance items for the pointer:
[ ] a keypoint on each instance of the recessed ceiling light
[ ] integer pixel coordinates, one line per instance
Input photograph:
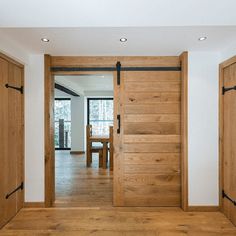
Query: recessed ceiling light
(45, 40)
(202, 38)
(123, 40)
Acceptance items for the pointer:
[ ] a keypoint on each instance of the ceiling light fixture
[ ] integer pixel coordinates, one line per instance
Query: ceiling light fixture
(123, 40)
(45, 40)
(202, 38)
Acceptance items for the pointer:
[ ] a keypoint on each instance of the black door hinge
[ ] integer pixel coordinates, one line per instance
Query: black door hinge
(21, 187)
(118, 67)
(21, 89)
(224, 90)
(224, 195)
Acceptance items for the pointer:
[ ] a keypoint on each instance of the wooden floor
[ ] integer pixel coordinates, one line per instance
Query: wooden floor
(77, 185)
(91, 189)
(117, 221)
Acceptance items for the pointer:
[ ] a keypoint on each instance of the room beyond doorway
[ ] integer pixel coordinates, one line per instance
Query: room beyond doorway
(81, 101)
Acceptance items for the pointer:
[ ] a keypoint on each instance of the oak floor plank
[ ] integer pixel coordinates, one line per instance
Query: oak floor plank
(118, 221)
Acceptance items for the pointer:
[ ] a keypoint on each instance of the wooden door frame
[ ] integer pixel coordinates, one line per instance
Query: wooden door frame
(100, 61)
(222, 66)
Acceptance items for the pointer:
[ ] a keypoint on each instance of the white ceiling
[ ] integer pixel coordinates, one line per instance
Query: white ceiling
(105, 41)
(116, 13)
(94, 27)
(86, 83)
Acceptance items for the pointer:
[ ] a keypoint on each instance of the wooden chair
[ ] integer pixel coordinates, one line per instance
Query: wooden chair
(92, 149)
(111, 148)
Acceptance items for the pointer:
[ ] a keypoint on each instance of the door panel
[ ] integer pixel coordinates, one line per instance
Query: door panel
(11, 137)
(3, 138)
(229, 146)
(148, 166)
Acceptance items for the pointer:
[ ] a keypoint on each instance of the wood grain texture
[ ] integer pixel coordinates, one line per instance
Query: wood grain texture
(151, 138)
(111, 147)
(152, 86)
(158, 108)
(3, 139)
(151, 97)
(118, 189)
(154, 76)
(151, 118)
(157, 128)
(203, 208)
(11, 138)
(103, 61)
(79, 186)
(34, 204)
(228, 147)
(49, 133)
(184, 131)
(151, 128)
(131, 221)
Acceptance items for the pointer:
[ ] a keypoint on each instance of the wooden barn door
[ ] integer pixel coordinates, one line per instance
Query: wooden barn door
(147, 149)
(229, 143)
(11, 139)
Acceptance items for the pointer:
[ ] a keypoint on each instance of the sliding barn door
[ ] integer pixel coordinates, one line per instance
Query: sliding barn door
(229, 143)
(11, 140)
(147, 149)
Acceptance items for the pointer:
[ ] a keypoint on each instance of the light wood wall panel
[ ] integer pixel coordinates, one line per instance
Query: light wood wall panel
(150, 147)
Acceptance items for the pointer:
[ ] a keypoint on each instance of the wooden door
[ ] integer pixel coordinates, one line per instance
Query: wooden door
(12, 140)
(229, 144)
(147, 150)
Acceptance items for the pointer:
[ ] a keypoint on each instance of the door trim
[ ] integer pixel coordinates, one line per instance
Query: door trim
(184, 130)
(91, 62)
(222, 66)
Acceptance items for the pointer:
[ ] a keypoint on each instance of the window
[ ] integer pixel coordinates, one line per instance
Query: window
(62, 119)
(100, 115)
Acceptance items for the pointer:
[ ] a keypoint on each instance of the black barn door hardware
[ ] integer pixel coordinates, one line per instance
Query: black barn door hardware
(224, 195)
(21, 187)
(118, 67)
(224, 90)
(118, 129)
(21, 89)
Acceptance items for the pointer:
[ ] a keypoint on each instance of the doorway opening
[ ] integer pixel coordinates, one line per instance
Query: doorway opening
(81, 101)
(152, 78)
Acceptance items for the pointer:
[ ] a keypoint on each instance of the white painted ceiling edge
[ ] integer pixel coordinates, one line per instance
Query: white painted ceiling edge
(113, 13)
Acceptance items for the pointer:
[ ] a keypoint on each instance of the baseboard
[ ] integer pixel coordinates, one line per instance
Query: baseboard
(77, 152)
(34, 204)
(203, 208)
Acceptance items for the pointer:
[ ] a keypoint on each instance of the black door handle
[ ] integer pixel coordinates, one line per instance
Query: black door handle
(118, 119)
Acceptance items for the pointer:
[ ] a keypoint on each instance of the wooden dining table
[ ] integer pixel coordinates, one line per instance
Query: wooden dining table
(104, 139)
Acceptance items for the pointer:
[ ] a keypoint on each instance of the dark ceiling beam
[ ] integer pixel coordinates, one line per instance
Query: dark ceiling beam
(66, 90)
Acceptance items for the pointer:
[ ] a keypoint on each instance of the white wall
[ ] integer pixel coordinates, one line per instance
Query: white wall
(13, 49)
(228, 52)
(203, 128)
(34, 129)
(77, 120)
